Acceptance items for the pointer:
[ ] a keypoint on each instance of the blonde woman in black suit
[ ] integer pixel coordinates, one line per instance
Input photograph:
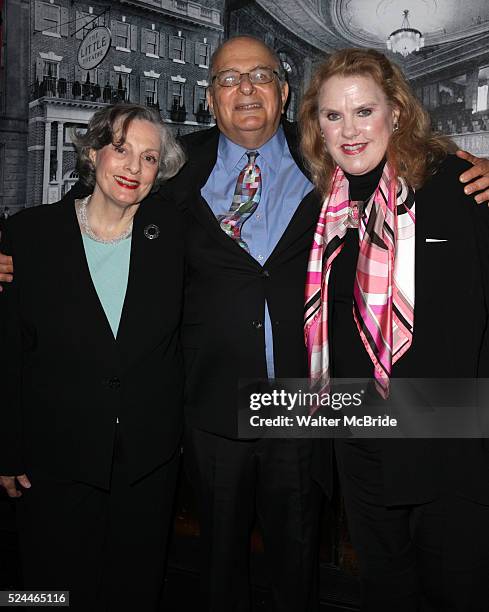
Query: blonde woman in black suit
(398, 287)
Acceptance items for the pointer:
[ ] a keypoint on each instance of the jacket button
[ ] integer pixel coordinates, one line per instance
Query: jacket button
(113, 383)
(265, 274)
(257, 324)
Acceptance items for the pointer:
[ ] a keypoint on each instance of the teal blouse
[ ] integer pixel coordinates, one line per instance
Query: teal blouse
(109, 268)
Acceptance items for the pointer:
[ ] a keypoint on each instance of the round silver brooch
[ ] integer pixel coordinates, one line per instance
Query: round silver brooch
(151, 231)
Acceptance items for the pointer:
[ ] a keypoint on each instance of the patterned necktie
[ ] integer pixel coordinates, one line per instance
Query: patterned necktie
(245, 200)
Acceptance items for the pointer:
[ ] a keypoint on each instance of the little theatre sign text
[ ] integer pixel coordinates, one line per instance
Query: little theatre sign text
(94, 47)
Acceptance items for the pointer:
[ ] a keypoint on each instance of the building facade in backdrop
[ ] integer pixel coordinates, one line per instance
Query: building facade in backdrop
(14, 61)
(159, 56)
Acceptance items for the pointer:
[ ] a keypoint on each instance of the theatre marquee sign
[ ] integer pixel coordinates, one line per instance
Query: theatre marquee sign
(94, 47)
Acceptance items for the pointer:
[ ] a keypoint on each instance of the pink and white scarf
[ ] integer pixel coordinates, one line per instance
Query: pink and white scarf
(383, 291)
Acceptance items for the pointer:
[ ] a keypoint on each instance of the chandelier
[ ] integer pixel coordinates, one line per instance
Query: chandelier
(406, 39)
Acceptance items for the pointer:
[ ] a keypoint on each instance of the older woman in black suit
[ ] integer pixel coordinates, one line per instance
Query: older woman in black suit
(91, 399)
(398, 286)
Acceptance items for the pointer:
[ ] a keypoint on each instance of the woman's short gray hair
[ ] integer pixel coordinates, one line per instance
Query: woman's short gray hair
(101, 132)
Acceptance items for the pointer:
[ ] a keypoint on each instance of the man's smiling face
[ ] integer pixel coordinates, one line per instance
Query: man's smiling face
(247, 114)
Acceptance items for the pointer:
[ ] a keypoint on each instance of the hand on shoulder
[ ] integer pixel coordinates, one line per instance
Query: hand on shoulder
(477, 177)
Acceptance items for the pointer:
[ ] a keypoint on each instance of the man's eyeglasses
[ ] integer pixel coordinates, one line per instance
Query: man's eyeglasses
(261, 75)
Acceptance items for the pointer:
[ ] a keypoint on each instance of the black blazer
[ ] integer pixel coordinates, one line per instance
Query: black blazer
(66, 378)
(451, 335)
(450, 340)
(225, 292)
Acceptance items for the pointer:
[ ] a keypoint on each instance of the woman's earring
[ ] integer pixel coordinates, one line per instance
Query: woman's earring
(396, 127)
(324, 140)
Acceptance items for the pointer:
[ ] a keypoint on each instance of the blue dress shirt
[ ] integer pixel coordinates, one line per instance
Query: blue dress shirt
(283, 188)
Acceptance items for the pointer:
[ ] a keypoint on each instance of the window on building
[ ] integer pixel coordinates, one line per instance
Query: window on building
(51, 18)
(292, 106)
(50, 69)
(90, 87)
(88, 21)
(482, 97)
(177, 48)
(202, 54)
(483, 89)
(53, 166)
(200, 101)
(92, 75)
(49, 78)
(178, 92)
(121, 35)
(72, 130)
(151, 92)
(122, 86)
(152, 42)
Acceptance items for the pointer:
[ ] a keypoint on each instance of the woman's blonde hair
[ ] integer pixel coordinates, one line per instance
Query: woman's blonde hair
(414, 151)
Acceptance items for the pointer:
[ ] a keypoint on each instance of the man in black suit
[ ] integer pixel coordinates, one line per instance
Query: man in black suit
(243, 320)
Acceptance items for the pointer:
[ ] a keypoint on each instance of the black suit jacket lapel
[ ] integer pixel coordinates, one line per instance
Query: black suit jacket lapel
(152, 304)
(185, 188)
(206, 217)
(202, 159)
(303, 220)
(146, 276)
(76, 283)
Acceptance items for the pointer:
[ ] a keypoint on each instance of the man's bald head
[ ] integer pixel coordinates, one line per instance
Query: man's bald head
(247, 113)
